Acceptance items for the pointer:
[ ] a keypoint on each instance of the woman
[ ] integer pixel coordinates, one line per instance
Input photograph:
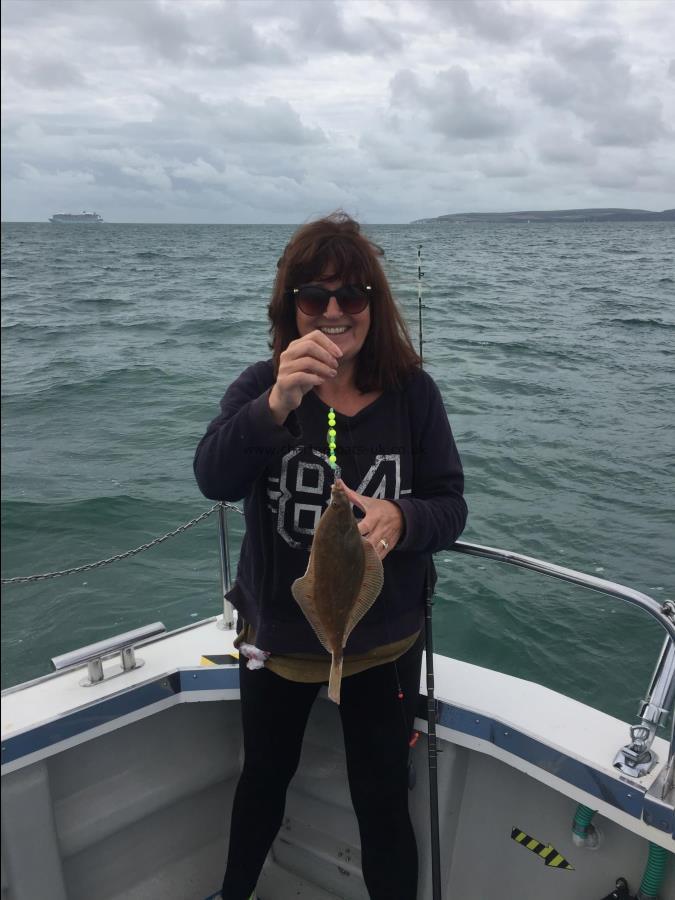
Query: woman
(339, 342)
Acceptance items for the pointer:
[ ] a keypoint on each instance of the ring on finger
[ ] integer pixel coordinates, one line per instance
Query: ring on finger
(384, 543)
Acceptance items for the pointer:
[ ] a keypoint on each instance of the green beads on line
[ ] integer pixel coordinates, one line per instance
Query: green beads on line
(330, 438)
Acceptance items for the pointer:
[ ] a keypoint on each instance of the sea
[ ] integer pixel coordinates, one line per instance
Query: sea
(552, 345)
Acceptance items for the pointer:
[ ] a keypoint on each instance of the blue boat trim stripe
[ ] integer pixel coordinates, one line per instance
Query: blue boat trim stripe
(628, 798)
(133, 700)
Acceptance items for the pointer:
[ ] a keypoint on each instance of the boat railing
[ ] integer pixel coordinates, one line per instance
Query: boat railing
(637, 757)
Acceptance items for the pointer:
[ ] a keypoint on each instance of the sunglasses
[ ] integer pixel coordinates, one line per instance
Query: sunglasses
(313, 300)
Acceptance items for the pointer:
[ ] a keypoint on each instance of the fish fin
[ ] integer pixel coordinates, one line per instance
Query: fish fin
(303, 591)
(335, 678)
(371, 586)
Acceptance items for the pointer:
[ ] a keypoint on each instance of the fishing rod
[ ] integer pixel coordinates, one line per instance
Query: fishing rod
(420, 276)
(432, 750)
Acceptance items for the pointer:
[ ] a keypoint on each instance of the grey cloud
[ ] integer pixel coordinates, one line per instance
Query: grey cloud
(599, 51)
(164, 28)
(60, 178)
(552, 85)
(671, 69)
(212, 36)
(511, 165)
(589, 78)
(560, 148)
(405, 86)
(381, 37)
(403, 155)
(51, 73)
(178, 105)
(455, 108)
(20, 12)
(614, 178)
(227, 34)
(582, 72)
(274, 121)
(323, 25)
(231, 40)
(244, 50)
(155, 176)
(628, 125)
(493, 20)
(266, 192)
(220, 36)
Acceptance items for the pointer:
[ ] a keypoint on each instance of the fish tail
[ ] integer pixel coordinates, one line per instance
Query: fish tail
(335, 678)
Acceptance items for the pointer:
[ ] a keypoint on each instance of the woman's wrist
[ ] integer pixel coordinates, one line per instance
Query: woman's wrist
(280, 411)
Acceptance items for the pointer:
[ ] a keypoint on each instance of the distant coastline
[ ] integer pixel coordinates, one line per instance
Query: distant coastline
(558, 215)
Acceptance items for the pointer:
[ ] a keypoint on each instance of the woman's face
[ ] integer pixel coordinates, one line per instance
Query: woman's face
(347, 331)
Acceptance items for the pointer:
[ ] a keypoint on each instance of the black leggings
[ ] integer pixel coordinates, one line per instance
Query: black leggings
(376, 724)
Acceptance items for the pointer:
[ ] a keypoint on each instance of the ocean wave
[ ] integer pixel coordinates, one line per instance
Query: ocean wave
(30, 331)
(88, 508)
(214, 328)
(131, 379)
(512, 386)
(198, 257)
(597, 289)
(638, 322)
(12, 296)
(519, 351)
(94, 527)
(104, 301)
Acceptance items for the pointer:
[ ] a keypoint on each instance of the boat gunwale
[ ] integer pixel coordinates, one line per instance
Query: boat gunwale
(539, 753)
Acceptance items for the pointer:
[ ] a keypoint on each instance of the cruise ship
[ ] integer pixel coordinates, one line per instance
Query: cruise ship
(86, 218)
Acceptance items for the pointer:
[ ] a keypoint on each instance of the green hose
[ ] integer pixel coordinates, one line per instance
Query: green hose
(652, 880)
(582, 819)
(654, 873)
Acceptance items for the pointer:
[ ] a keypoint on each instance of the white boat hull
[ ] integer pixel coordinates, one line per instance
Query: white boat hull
(123, 789)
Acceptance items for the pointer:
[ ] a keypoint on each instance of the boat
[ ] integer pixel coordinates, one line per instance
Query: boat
(118, 776)
(83, 218)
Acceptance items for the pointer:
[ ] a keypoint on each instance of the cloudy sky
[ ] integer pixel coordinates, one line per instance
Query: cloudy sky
(278, 110)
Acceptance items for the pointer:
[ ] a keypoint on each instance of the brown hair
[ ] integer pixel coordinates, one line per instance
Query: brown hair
(335, 242)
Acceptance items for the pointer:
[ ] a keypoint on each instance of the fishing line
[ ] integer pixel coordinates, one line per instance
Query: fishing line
(432, 749)
(420, 306)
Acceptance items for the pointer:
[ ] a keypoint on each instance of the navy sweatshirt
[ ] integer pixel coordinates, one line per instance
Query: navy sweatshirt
(398, 448)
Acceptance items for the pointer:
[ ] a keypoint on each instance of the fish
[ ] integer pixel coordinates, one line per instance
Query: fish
(344, 578)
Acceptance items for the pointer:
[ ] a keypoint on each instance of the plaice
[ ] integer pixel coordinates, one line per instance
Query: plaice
(344, 577)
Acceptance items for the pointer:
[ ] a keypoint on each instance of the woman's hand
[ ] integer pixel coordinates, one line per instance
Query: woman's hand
(307, 362)
(382, 525)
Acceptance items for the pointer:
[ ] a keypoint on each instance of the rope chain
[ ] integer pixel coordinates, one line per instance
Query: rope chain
(26, 579)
